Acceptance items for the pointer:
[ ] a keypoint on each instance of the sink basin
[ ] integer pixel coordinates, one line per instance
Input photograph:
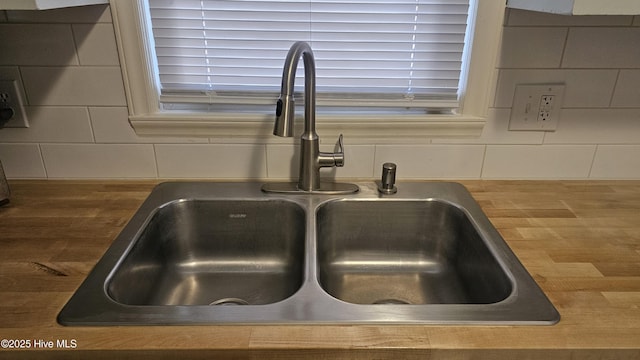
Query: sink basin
(197, 252)
(228, 253)
(405, 252)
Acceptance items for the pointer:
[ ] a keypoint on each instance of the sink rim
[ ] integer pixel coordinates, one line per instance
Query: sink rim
(310, 304)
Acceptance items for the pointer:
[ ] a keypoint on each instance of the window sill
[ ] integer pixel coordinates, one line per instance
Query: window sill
(358, 129)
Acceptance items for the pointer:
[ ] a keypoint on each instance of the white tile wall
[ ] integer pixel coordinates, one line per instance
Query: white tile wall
(432, 161)
(596, 126)
(533, 47)
(533, 18)
(627, 93)
(74, 85)
(584, 88)
(75, 15)
(22, 161)
(616, 162)
(536, 161)
(496, 131)
(211, 161)
(111, 125)
(9, 73)
(594, 47)
(68, 64)
(49, 44)
(59, 124)
(96, 44)
(99, 161)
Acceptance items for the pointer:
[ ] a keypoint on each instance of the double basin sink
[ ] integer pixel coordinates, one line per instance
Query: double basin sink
(215, 253)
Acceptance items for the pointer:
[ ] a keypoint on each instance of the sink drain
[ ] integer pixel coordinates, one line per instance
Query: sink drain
(391, 302)
(229, 301)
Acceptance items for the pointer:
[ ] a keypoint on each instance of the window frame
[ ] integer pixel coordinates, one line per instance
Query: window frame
(147, 118)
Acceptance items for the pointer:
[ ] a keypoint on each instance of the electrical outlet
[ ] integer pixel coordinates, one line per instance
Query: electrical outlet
(546, 102)
(536, 107)
(546, 106)
(11, 105)
(544, 116)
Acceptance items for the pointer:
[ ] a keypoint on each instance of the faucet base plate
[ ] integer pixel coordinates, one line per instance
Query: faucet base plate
(329, 188)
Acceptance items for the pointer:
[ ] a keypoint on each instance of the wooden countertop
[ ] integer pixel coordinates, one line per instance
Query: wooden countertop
(579, 239)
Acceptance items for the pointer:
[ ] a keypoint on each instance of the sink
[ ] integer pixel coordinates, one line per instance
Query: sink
(229, 253)
(195, 252)
(406, 252)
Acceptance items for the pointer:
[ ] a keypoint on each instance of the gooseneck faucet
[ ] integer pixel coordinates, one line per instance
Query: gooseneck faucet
(311, 159)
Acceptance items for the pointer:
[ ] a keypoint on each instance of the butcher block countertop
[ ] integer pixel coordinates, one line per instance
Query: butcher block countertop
(580, 240)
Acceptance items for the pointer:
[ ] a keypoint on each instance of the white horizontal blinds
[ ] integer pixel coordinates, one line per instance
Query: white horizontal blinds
(403, 50)
(398, 47)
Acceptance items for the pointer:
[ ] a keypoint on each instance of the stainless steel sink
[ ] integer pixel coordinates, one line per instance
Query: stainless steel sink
(228, 253)
(405, 252)
(195, 252)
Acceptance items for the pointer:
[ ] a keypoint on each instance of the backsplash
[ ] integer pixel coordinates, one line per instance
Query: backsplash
(68, 63)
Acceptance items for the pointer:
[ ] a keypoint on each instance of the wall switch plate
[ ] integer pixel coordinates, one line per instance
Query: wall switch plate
(11, 105)
(536, 107)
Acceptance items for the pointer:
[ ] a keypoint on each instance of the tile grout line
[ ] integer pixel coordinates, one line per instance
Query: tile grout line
(484, 159)
(564, 48)
(593, 160)
(615, 85)
(44, 164)
(155, 158)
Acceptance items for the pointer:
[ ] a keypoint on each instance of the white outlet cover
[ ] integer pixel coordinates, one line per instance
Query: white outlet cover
(526, 107)
(14, 91)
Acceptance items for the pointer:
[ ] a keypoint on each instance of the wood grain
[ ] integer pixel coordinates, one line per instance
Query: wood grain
(580, 240)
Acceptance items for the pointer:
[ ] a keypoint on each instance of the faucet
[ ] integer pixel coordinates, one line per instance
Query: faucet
(311, 158)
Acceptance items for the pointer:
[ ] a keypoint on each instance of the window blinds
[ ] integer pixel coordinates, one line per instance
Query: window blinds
(404, 51)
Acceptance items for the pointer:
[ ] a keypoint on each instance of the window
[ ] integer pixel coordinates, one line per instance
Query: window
(400, 60)
(398, 52)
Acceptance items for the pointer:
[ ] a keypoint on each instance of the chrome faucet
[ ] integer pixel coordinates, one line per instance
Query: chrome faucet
(311, 159)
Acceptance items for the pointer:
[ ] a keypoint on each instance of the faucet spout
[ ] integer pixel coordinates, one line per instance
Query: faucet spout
(311, 159)
(285, 107)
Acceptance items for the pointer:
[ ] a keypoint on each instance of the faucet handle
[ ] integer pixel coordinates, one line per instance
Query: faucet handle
(338, 152)
(333, 159)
